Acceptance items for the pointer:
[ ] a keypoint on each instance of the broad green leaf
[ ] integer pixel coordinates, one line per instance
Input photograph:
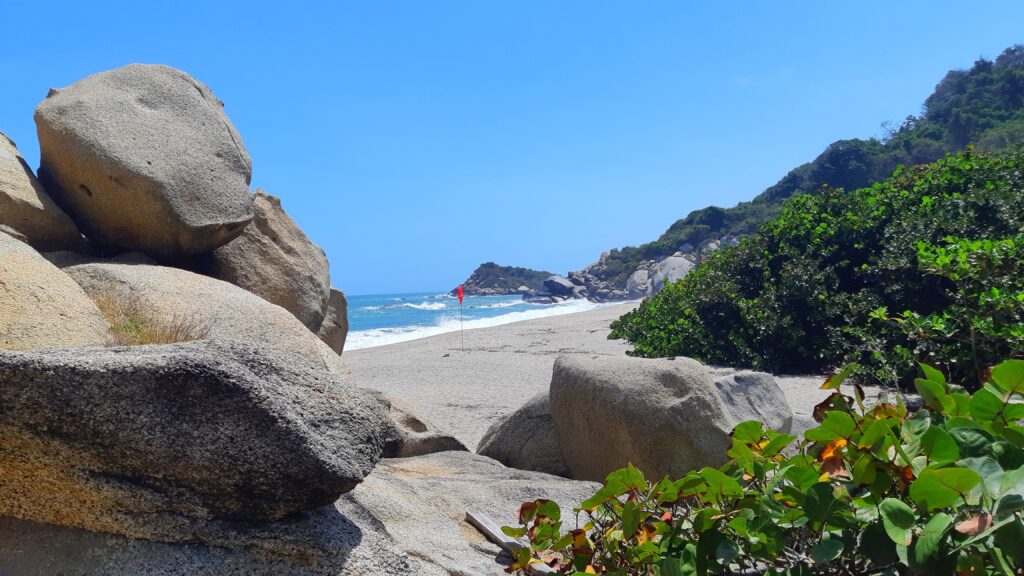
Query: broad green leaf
(985, 405)
(875, 432)
(836, 424)
(720, 485)
(971, 441)
(749, 432)
(1010, 457)
(819, 502)
(864, 470)
(941, 488)
(932, 393)
(826, 551)
(929, 545)
(989, 470)
(1009, 376)
(632, 515)
(933, 374)
(898, 520)
(514, 531)
(939, 446)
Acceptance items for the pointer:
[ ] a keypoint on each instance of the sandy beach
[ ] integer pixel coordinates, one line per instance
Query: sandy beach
(463, 392)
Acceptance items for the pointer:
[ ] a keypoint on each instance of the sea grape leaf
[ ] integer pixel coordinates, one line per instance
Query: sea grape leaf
(935, 489)
(898, 520)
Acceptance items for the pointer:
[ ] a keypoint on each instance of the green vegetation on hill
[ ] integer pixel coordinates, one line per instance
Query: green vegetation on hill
(840, 276)
(490, 278)
(983, 105)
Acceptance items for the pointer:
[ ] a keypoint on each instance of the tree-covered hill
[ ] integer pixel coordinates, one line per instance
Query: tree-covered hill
(983, 106)
(490, 279)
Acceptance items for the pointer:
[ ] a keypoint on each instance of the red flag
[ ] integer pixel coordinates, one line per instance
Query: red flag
(460, 293)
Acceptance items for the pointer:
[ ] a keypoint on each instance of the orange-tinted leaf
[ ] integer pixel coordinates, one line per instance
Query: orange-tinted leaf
(975, 525)
(832, 449)
(834, 466)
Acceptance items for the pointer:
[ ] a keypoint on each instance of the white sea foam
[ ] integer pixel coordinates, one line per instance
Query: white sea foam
(417, 306)
(503, 305)
(359, 339)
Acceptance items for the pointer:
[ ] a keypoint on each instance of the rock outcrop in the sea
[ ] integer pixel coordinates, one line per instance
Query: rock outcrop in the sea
(224, 310)
(407, 518)
(602, 413)
(40, 306)
(490, 279)
(144, 441)
(275, 260)
(144, 158)
(26, 207)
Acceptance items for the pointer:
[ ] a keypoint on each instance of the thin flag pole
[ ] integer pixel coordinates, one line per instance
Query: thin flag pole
(462, 333)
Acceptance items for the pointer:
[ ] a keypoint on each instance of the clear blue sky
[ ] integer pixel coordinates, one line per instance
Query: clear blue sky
(414, 140)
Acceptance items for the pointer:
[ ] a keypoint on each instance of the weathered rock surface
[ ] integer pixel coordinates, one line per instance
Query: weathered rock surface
(154, 441)
(275, 260)
(559, 285)
(144, 158)
(411, 434)
(664, 416)
(224, 310)
(334, 329)
(405, 519)
(669, 270)
(755, 396)
(40, 306)
(26, 207)
(639, 283)
(526, 439)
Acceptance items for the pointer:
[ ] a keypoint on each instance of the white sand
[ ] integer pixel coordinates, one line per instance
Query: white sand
(464, 392)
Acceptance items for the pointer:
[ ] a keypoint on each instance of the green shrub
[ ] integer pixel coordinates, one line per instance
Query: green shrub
(799, 295)
(873, 489)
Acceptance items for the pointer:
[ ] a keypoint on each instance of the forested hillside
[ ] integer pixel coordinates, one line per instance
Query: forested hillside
(983, 106)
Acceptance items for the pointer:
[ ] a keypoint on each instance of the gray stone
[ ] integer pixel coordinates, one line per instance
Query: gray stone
(406, 519)
(559, 285)
(664, 416)
(670, 269)
(224, 310)
(155, 441)
(40, 306)
(144, 158)
(639, 284)
(275, 260)
(26, 207)
(334, 329)
(412, 434)
(525, 439)
(755, 396)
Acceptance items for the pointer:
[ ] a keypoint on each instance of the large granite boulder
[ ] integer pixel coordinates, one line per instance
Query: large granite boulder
(334, 329)
(525, 439)
(559, 285)
(664, 416)
(40, 306)
(148, 441)
(275, 260)
(144, 158)
(26, 207)
(407, 518)
(224, 310)
(639, 283)
(669, 270)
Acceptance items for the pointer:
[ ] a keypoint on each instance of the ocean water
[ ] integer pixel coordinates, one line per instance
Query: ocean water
(375, 320)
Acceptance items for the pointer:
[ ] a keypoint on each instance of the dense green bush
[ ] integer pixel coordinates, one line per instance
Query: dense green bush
(799, 295)
(873, 489)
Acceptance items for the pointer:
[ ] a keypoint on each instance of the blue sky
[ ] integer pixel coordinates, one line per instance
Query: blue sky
(414, 140)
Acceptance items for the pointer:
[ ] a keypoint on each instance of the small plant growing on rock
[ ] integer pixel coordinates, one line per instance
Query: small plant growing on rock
(874, 489)
(133, 324)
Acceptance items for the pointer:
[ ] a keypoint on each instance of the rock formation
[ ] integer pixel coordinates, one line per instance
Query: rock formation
(334, 329)
(40, 306)
(27, 208)
(526, 439)
(144, 158)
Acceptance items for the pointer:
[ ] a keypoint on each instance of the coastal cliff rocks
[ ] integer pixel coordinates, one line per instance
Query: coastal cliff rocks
(526, 439)
(638, 285)
(224, 310)
(669, 270)
(145, 441)
(334, 329)
(274, 259)
(664, 416)
(407, 518)
(27, 208)
(40, 306)
(144, 158)
(411, 434)
(559, 285)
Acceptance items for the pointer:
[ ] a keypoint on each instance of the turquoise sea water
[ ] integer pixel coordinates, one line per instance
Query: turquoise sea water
(375, 320)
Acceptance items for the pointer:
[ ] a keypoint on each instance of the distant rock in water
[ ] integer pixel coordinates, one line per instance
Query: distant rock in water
(490, 279)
